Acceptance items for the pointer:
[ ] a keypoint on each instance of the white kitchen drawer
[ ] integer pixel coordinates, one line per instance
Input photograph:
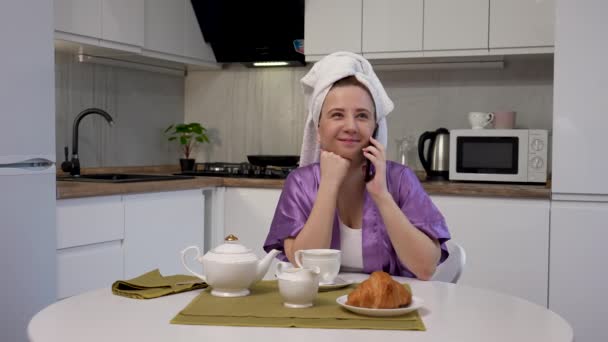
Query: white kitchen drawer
(84, 221)
(81, 269)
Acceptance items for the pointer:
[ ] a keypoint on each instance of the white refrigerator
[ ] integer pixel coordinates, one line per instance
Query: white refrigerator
(578, 275)
(27, 164)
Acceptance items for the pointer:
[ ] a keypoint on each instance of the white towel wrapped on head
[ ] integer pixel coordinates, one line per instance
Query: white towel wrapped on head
(317, 83)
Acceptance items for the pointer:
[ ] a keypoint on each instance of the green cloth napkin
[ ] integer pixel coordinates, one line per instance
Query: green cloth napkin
(153, 284)
(264, 308)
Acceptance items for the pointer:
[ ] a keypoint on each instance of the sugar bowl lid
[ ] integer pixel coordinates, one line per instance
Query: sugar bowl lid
(231, 251)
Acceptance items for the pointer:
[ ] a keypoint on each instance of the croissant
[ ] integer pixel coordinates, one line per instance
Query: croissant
(380, 291)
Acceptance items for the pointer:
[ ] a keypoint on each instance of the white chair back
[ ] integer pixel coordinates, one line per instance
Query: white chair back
(450, 270)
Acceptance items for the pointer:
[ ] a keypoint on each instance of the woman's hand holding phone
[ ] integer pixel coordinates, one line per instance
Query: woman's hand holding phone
(376, 155)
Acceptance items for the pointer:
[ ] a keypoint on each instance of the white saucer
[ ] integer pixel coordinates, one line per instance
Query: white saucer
(337, 284)
(414, 305)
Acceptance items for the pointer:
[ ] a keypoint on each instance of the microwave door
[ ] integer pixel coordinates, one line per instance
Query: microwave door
(489, 158)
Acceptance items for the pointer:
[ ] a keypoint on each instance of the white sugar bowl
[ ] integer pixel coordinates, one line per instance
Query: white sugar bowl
(298, 286)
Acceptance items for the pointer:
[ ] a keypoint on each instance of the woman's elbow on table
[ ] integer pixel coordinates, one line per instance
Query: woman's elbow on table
(425, 273)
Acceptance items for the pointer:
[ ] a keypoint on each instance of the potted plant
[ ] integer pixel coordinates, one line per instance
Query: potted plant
(188, 135)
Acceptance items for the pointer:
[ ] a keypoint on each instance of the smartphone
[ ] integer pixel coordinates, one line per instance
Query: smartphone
(369, 172)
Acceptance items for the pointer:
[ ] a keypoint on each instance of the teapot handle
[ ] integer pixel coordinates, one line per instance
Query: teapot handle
(198, 254)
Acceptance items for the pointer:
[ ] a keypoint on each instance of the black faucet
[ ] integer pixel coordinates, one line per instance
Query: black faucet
(73, 166)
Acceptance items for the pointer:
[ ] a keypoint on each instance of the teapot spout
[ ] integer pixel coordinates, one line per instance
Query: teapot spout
(264, 264)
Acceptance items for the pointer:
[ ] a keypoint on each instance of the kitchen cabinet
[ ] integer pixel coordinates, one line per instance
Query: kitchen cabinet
(579, 102)
(521, 23)
(89, 244)
(80, 17)
(164, 26)
(332, 25)
(579, 210)
(85, 268)
(248, 213)
(173, 33)
(392, 25)
(393, 29)
(122, 21)
(158, 226)
(111, 23)
(577, 273)
(506, 242)
(140, 31)
(455, 25)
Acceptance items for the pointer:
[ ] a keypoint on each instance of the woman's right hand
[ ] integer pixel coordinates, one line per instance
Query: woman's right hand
(333, 168)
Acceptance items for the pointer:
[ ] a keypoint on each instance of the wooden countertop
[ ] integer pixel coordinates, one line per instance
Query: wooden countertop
(71, 189)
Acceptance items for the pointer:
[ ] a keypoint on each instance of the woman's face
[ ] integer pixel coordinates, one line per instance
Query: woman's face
(347, 121)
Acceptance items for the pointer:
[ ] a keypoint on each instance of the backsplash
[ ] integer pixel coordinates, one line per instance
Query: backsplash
(261, 111)
(141, 103)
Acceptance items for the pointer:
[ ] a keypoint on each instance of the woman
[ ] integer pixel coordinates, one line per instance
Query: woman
(388, 223)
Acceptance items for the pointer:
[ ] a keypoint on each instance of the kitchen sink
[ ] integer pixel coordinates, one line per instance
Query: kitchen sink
(120, 178)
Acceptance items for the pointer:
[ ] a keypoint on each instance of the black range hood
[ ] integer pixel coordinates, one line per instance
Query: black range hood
(249, 31)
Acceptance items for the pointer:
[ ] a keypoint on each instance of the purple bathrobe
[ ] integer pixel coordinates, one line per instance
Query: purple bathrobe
(298, 197)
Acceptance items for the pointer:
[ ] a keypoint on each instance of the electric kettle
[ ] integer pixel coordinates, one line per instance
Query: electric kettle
(436, 160)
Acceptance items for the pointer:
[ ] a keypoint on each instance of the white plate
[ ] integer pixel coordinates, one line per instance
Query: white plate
(415, 304)
(337, 284)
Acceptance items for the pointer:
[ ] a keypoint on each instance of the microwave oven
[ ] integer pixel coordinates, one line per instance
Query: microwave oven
(499, 155)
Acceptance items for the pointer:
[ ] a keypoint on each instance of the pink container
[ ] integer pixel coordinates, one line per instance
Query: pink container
(504, 120)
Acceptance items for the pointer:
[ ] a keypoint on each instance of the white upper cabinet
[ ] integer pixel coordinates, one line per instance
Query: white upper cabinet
(455, 25)
(122, 21)
(579, 100)
(105, 21)
(157, 29)
(194, 43)
(392, 25)
(521, 23)
(332, 25)
(81, 17)
(164, 26)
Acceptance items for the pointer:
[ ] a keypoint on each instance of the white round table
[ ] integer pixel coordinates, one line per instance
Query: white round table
(451, 313)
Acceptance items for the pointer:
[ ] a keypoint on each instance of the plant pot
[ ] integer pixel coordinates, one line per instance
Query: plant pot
(186, 164)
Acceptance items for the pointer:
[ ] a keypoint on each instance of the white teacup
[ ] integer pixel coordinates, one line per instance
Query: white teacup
(328, 261)
(480, 120)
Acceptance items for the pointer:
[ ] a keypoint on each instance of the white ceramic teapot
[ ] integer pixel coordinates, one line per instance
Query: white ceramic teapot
(230, 268)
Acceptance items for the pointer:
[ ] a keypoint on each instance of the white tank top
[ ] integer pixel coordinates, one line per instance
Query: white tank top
(352, 248)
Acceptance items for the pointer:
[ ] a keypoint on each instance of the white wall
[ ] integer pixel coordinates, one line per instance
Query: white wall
(261, 111)
(142, 104)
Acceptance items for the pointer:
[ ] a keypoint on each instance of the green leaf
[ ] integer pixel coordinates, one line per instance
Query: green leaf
(172, 138)
(183, 140)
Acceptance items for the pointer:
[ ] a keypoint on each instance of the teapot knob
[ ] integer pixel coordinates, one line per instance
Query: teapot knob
(231, 238)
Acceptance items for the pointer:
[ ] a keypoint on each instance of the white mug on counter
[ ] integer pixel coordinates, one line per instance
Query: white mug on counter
(479, 120)
(328, 261)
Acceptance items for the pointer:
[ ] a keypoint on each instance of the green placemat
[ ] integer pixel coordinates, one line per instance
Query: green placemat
(264, 308)
(153, 285)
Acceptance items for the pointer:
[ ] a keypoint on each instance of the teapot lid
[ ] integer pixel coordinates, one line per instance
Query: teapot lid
(231, 251)
(231, 246)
